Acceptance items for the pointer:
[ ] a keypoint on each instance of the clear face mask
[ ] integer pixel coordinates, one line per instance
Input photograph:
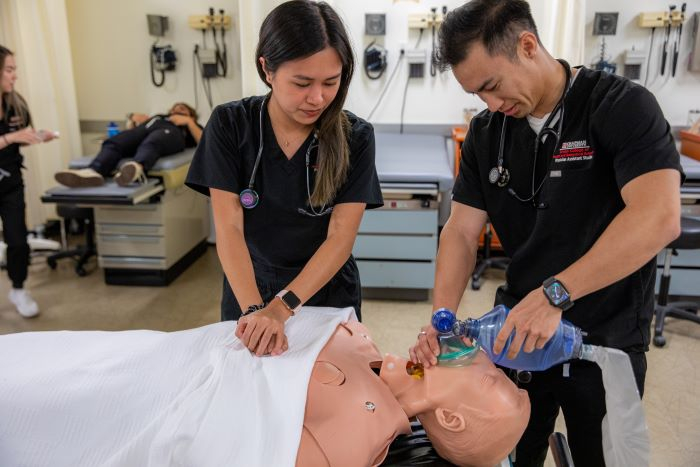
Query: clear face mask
(455, 351)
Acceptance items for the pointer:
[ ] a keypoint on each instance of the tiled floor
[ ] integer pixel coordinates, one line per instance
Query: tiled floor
(672, 398)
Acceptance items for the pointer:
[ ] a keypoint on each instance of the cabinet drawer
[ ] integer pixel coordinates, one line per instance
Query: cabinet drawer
(684, 258)
(130, 262)
(146, 214)
(131, 245)
(400, 221)
(403, 247)
(130, 229)
(403, 274)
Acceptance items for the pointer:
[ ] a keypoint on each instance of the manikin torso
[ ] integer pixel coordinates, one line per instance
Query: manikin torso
(351, 415)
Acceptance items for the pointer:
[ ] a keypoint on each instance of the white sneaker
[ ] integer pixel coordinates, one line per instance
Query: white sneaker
(129, 173)
(77, 178)
(26, 306)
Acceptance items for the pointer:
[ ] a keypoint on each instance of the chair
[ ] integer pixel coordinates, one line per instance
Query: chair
(689, 239)
(486, 260)
(81, 253)
(560, 450)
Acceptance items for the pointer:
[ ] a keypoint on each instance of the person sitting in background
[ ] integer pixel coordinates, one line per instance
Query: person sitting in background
(150, 138)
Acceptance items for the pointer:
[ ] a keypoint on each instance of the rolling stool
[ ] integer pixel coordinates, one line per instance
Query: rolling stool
(81, 253)
(487, 261)
(689, 239)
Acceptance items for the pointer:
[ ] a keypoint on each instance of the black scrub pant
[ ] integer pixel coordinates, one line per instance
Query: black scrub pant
(144, 143)
(581, 397)
(341, 291)
(14, 225)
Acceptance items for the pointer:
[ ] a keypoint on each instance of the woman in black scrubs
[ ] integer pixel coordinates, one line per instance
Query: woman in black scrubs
(15, 131)
(290, 175)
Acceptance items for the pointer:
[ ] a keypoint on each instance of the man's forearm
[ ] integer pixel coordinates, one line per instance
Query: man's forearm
(630, 241)
(455, 262)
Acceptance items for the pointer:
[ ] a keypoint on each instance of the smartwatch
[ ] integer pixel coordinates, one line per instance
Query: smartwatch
(290, 300)
(557, 294)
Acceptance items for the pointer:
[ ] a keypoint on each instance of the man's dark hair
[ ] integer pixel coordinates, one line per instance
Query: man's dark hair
(496, 24)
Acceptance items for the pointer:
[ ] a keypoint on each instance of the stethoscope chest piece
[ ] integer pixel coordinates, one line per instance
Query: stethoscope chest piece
(499, 176)
(249, 198)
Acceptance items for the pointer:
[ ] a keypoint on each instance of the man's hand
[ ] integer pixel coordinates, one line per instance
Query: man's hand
(180, 120)
(263, 331)
(427, 347)
(534, 320)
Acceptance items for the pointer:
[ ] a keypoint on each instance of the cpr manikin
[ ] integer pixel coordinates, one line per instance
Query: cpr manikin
(474, 415)
(198, 397)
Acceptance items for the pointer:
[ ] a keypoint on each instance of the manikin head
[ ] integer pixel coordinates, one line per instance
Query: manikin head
(474, 415)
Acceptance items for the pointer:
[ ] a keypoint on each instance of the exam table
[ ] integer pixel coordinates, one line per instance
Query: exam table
(147, 234)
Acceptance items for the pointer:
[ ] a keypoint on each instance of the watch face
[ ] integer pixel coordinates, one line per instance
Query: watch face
(557, 293)
(291, 300)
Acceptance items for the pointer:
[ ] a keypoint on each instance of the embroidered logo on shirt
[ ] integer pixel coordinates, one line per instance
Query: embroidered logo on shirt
(571, 151)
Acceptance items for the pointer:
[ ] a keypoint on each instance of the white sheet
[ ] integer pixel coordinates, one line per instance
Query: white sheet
(147, 398)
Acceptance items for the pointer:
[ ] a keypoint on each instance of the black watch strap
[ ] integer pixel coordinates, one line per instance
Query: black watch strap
(557, 294)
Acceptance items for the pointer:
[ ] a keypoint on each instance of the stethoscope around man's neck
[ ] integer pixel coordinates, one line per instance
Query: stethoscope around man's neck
(500, 175)
(250, 198)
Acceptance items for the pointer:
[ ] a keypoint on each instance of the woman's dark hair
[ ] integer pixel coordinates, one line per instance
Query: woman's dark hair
(496, 24)
(190, 109)
(12, 102)
(298, 29)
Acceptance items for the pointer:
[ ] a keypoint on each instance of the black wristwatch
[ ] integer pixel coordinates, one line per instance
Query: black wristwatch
(290, 300)
(557, 294)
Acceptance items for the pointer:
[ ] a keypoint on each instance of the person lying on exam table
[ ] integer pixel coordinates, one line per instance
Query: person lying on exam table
(150, 138)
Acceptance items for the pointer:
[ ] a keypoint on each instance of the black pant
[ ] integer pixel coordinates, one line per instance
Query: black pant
(145, 144)
(581, 397)
(14, 225)
(341, 291)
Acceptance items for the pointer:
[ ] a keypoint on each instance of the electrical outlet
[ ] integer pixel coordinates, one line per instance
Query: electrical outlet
(416, 60)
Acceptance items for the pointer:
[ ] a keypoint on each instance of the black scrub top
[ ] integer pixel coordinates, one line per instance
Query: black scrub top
(276, 233)
(10, 155)
(613, 131)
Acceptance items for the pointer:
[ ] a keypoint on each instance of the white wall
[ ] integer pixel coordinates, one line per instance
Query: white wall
(675, 95)
(430, 100)
(110, 45)
(112, 73)
(437, 99)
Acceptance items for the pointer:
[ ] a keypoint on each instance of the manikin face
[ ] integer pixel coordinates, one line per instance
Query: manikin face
(8, 75)
(474, 415)
(302, 89)
(480, 384)
(512, 87)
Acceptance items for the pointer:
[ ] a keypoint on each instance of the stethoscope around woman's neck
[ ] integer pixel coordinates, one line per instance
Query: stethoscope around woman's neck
(500, 175)
(250, 198)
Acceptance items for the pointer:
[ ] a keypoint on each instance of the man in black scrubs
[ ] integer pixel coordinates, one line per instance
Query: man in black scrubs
(578, 173)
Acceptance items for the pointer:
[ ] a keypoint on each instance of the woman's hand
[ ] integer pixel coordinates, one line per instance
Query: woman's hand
(180, 120)
(263, 331)
(24, 136)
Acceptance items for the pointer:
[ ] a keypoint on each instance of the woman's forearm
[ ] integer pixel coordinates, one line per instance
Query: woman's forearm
(323, 265)
(238, 267)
